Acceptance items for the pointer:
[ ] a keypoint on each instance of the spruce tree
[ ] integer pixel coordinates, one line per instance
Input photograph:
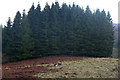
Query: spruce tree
(66, 30)
(6, 37)
(16, 34)
(27, 40)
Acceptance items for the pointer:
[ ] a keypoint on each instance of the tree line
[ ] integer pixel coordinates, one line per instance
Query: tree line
(66, 30)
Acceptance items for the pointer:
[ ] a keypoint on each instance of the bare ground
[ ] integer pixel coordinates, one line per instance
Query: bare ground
(71, 67)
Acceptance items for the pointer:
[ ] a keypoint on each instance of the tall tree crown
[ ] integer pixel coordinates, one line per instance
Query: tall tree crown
(17, 20)
(66, 30)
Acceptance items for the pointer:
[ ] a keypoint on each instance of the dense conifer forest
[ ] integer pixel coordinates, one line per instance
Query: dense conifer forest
(58, 30)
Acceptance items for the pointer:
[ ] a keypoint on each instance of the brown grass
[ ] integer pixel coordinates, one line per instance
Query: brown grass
(72, 67)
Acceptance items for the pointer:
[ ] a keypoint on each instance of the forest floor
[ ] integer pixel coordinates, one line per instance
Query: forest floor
(70, 67)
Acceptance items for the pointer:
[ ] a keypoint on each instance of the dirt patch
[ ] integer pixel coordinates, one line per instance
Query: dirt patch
(71, 67)
(28, 68)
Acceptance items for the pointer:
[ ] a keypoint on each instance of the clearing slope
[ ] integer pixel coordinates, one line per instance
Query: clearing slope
(71, 67)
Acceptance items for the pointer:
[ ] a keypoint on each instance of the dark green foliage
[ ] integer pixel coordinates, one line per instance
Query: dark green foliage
(27, 40)
(7, 37)
(58, 30)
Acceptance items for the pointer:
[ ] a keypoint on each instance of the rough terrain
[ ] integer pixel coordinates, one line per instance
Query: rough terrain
(71, 67)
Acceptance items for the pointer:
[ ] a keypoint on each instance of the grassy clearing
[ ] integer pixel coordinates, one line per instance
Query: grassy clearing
(88, 68)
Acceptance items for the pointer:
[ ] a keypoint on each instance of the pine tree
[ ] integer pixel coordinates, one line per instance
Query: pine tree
(55, 9)
(27, 40)
(16, 35)
(66, 30)
(6, 37)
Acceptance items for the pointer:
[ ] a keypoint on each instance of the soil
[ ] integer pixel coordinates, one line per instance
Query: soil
(28, 68)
